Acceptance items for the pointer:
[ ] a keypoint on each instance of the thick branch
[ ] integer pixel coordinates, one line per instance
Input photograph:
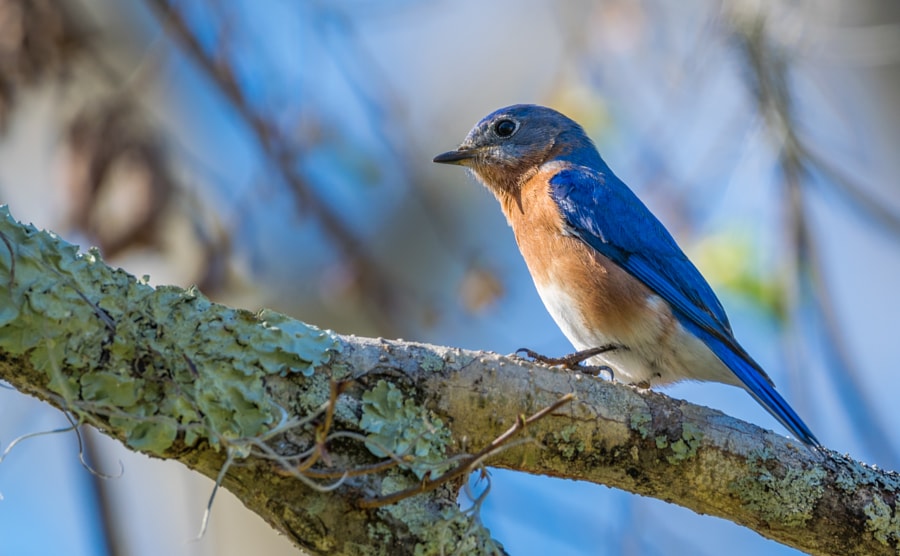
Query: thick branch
(174, 375)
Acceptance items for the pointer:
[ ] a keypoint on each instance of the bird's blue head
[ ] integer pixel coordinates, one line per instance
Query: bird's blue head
(509, 144)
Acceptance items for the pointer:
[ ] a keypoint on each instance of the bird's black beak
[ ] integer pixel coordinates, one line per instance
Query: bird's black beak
(459, 156)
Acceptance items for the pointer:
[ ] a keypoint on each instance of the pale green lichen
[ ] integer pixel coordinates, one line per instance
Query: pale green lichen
(567, 442)
(661, 442)
(845, 482)
(685, 447)
(452, 531)
(854, 475)
(158, 362)
(293, 346)
(381, 534)
(883, 522)
(456, 532)
(788, 499)
(430, 361)
(640, 421)
(400, 427)
(411, 511)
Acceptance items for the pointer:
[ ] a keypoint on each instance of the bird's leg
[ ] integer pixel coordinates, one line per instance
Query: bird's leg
(574, 360)
(570, 361)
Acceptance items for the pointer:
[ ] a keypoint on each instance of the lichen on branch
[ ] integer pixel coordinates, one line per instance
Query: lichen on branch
(352, 445)
(172, 374)
(159, 363)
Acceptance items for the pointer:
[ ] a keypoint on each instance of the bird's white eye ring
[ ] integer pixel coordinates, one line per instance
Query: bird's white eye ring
(504, 128)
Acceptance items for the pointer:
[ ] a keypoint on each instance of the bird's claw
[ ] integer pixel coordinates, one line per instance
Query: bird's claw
(597, 370)
(573, 361)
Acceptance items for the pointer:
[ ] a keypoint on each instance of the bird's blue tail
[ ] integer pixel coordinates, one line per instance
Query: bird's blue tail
(757, 383)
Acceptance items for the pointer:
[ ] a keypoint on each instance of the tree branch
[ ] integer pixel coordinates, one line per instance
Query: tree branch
(173, 375)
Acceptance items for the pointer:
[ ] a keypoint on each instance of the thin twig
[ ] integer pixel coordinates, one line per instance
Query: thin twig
(355, 472)
(469, 463)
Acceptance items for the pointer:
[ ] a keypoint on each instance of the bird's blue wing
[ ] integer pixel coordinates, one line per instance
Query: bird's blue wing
(758, 384)
(604, 213)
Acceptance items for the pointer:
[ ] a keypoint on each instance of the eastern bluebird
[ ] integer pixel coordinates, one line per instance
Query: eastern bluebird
(607, 270)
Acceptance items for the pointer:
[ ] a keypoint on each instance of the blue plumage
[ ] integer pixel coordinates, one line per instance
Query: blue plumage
(604, 213)
(756, 381)
(594, 250)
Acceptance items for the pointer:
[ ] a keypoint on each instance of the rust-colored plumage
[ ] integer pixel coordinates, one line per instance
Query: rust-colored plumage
(606, 269)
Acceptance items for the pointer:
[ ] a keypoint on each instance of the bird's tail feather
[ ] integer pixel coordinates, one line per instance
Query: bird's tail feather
(758, 385)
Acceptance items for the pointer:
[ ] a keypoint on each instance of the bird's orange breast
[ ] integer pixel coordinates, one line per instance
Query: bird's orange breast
(604, 297)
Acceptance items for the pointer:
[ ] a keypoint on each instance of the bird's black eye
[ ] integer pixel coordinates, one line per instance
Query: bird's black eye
(504, 128)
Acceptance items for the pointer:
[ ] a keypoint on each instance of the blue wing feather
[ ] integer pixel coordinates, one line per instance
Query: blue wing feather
(604, 213)
(633, 238)
(757, 384)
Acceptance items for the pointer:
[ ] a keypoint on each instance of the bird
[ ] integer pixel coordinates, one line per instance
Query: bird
(607, 270)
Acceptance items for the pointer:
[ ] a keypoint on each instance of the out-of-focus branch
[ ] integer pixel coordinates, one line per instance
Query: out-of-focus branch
(768, 77)
(169, 373)
(871, 208)
(367, 271)
(39, 39)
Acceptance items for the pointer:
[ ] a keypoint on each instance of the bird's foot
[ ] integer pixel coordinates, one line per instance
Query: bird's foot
(574, 361)
(571, 361)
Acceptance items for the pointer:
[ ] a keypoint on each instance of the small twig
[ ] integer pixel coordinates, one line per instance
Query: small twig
(355, 472)
(90, 469)
(19, 439)
(322, 431)
(229, 459)
(467, 464)
(287, 468)
(101, 314)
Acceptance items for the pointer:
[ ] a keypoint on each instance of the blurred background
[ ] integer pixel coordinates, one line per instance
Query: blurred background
(278, 154)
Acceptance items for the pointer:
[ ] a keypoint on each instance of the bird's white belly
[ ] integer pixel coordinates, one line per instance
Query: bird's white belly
(658, 350)
(565, 313)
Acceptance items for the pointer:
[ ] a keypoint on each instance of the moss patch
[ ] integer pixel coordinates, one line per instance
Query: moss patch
(401, 427)
(883, 523)
(640, 423)
(160, 363)
(788, 499)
